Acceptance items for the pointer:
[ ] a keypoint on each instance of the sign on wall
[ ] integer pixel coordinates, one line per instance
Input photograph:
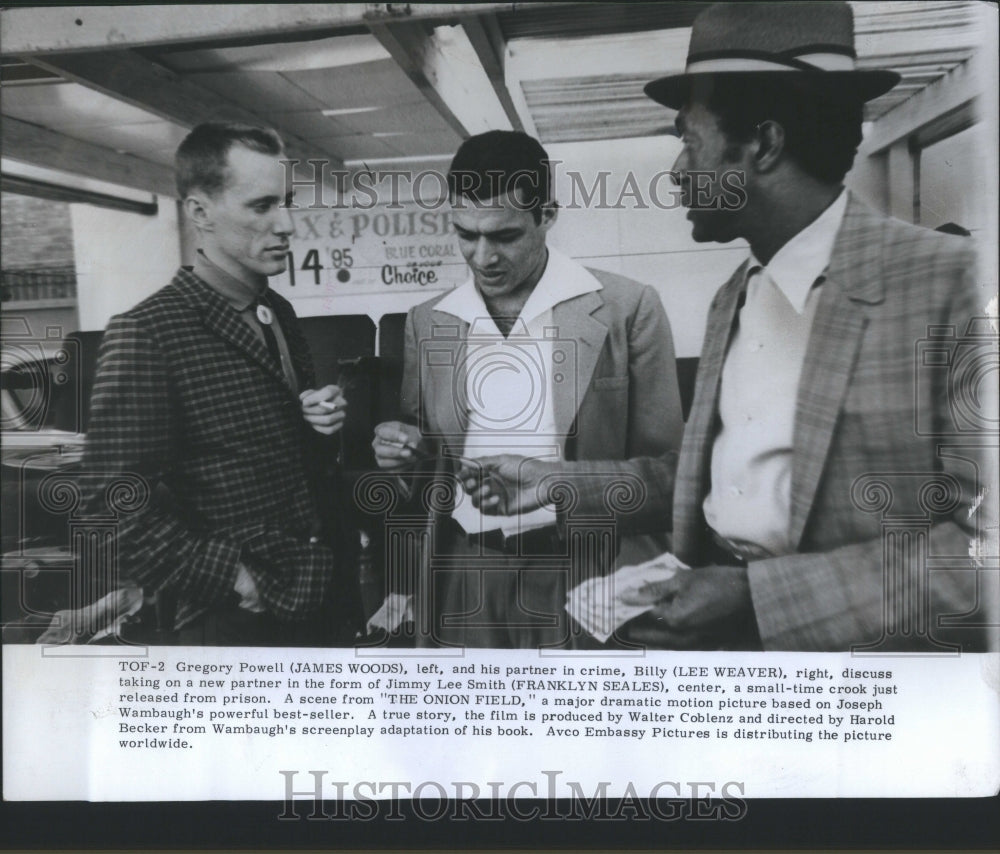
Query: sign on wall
(382, 250)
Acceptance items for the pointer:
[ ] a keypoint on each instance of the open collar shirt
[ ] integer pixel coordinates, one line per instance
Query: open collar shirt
(749, 505)
(505, 384)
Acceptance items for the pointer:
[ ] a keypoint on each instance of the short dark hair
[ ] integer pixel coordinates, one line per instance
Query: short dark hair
(499, 162)
(203, 157)
(822, 122)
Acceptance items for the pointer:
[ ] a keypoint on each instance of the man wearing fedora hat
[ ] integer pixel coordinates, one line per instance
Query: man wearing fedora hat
(808, 394)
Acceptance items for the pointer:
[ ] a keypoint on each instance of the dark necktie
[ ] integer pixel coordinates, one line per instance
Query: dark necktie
(266, 319)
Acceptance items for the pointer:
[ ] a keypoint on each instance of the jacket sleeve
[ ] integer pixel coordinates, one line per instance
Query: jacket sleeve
(834, 600)
(859, 592)
(134, 432)
(638, 490)
(412, 410)
(409, 393)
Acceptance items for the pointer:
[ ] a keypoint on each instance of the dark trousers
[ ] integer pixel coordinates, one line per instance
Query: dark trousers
(488, 598)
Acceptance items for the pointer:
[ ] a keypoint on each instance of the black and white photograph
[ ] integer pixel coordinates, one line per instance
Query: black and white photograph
(501, 415)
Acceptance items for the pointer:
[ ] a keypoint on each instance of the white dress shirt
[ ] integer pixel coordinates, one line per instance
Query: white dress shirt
(750, 499)
(507, 382)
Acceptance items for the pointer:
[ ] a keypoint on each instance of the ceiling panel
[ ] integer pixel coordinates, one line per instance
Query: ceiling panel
(379, 84)
(426, 144)
(258, 91)
(616, 108)
(62, 106)
(596, 19)
(358, 146)
(156, 141)
(923, 41)
(298, 55)
(408, 117)
(310, 125)
(396, 145)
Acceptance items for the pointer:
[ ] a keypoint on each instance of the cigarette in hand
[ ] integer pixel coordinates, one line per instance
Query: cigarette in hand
(473, 472)
(332, 407)
(416, 451)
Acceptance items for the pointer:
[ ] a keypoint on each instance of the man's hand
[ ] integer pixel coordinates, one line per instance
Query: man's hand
(246, 589)
(696, 609)
(504, 484)
(397, 445)
(324, 408)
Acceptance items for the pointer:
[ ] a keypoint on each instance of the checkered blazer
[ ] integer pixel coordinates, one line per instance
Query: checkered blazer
(871, 426)
(187, 396)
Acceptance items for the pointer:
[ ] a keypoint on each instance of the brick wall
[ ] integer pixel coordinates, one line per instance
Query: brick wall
(35, 233)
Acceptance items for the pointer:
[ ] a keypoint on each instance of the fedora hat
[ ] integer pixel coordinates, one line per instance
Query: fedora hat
(814, 41)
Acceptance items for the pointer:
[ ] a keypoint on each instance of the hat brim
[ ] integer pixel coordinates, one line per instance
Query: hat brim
(672, 91)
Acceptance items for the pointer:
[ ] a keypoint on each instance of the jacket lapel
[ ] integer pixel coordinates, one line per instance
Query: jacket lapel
(223, 320)
(699, 433)
(854, 281)
(440, 356)
(574, 319)
(298, 348)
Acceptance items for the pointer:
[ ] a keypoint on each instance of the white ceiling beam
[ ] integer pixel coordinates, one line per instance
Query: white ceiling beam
(39, 146)
(443, 65)
(40, 30)
(655, 53)
(484, 35)
(129, 77)
(963, 84)
(409, 49)
(512, 82)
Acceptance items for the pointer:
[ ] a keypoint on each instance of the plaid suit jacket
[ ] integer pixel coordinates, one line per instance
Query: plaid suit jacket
(187, 397)
(869, 420)
(618, 405)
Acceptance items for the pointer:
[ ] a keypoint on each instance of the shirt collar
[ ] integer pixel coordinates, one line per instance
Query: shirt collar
(803, 259)
(562, 279)
(237, 293)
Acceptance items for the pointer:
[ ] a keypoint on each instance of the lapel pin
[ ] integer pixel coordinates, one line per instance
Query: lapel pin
(264, 314)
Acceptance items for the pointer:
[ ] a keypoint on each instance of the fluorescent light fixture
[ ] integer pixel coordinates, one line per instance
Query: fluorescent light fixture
(349, 111)
(23, 186)
(15, 168)
(381, 161)
(393, 133)
(320, 54)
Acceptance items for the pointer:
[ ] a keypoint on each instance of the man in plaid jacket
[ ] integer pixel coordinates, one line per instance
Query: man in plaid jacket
(205, 391)
(831, 483)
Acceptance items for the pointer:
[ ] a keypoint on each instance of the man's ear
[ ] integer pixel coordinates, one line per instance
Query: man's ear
(770, 146)
(550, 213)
(198, 208)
